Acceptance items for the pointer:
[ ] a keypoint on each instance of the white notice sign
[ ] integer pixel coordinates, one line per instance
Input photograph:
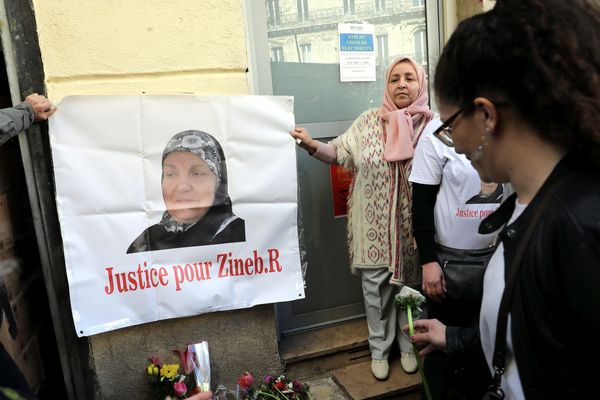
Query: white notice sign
(357, 53)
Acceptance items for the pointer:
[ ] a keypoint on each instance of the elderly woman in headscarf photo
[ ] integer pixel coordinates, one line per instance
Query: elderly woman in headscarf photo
(378, 149)
(194, 188)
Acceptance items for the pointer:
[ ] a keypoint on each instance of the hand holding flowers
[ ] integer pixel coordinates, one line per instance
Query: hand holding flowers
(410, 300)
(198, 396)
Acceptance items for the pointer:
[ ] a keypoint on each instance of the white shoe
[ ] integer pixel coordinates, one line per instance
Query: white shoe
(380, 369)
(409, 362)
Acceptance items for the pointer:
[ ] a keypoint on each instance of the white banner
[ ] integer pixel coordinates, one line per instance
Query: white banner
(172, 206)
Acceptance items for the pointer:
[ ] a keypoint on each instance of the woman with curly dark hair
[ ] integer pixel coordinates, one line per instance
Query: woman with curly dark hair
(518, 89)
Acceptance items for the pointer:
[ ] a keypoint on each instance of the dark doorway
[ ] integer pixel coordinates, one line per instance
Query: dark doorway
(34, 346)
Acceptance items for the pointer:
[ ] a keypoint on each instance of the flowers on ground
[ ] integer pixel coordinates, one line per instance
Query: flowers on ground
(168, 380)
(169, 371)
(246, 380)
(271, 387)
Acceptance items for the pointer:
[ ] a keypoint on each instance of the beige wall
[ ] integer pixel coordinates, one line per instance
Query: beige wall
(125, 47)
(488, 4)
(142, 46)
(467, 8)
(454, 11)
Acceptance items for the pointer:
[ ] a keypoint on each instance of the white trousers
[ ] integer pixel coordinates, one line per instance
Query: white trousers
(384, 318)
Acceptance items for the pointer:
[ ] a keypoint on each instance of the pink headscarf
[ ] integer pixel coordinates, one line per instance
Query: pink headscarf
(400, 135)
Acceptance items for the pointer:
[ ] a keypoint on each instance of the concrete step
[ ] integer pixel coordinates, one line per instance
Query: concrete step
(357, 382)
(325, 389)
(317, 352)
(336, 362)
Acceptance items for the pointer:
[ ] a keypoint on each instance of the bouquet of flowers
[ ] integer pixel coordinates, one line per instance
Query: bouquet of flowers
(271, 387)
(167, 380)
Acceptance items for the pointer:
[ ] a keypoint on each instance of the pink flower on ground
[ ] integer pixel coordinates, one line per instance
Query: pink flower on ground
(297, 386)
(280, 385)
(185, 360)
(155, 360)
(180, 389)
(246, 380)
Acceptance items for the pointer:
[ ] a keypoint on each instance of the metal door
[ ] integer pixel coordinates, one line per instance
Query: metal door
(294, 51)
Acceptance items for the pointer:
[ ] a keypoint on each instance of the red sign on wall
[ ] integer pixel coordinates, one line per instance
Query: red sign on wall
(341, 178)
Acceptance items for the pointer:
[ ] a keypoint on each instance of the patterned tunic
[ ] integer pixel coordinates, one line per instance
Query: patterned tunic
(379, 219)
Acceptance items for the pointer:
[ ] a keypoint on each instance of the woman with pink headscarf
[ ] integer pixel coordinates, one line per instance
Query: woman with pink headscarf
(378, 149)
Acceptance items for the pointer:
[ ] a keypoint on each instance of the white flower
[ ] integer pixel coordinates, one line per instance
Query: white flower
(406, 292)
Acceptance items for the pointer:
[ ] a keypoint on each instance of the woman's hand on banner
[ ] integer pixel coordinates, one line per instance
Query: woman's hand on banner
(304, 140)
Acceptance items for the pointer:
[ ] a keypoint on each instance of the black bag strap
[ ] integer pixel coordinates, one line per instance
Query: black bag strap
(499, 358)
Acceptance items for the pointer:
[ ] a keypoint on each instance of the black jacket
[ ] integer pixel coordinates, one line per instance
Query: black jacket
(207, 231)
(555, 311)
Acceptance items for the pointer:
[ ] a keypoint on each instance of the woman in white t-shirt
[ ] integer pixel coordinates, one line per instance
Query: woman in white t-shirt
(449, 202)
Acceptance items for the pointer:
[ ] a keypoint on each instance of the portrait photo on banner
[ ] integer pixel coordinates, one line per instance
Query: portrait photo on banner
(171, 206)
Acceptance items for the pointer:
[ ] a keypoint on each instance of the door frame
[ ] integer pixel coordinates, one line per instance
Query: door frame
(26, 75)
(260, 83)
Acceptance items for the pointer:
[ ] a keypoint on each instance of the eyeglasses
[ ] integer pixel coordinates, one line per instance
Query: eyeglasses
(444, 131)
